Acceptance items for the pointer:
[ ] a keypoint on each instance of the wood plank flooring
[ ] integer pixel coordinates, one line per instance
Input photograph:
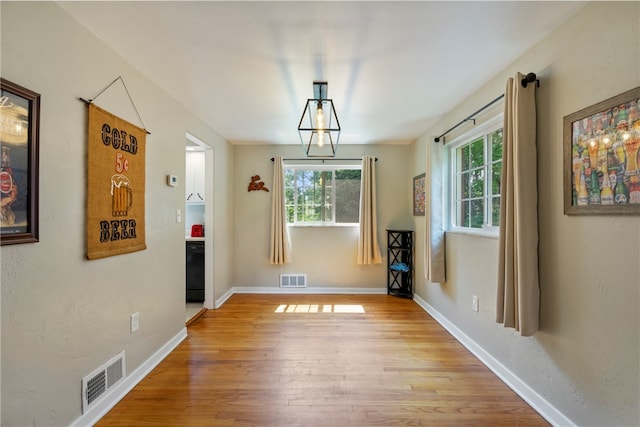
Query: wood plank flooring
(320, 360)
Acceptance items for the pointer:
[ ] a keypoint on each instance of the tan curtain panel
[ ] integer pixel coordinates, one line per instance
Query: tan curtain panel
(280, 252)
(115, 185)
(518, 289)
(434, 241)
(368, 247)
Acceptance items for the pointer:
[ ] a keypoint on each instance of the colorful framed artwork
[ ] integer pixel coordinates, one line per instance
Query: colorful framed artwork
(419, 200)
(602, 159)
(19, 133)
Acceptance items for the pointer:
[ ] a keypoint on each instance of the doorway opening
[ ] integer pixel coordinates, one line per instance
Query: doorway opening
(199, 204)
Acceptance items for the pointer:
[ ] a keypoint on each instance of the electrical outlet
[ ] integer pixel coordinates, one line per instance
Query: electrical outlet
(475, 304)
(135, 322)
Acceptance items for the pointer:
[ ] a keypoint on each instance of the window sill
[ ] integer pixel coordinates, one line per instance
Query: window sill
(479, 233)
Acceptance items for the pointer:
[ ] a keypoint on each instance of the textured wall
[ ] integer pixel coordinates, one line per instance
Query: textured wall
(585, 358)
(63, 316)
(328, 255)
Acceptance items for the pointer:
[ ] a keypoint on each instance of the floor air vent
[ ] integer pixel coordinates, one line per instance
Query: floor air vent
(293, 280)
(98, 382)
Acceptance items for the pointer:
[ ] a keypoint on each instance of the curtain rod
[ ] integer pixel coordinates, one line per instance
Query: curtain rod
(529, 78)
(321, 158)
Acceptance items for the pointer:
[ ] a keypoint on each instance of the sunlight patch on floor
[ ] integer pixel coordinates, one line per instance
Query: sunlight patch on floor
(316, 308)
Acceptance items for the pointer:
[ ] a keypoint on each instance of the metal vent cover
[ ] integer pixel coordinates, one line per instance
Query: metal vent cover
(96, 385)
(293, 280)
(115, 372)
(98, 382)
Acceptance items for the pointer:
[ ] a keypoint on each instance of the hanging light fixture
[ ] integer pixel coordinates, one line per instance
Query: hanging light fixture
(319, 128)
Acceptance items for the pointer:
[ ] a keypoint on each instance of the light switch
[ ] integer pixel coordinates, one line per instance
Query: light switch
(178, 216)
(135, 322)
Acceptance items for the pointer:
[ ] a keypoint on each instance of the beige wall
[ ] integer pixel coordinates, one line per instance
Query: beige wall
(328, 254)
(585, 358)
(63, 316)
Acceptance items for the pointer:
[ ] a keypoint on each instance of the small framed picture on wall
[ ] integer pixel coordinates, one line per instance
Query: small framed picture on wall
(19, 127)
(602, 157)
(419, 200)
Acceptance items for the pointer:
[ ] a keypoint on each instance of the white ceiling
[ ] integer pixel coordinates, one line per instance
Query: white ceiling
(247, 68)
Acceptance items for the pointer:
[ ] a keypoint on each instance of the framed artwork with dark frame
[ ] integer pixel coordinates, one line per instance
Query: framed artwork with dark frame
(419, 200)
(19, 133)
(602, 157)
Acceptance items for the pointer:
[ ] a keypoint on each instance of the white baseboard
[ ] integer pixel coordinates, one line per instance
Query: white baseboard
(119, 391)
(537, 402)
(311, 290)
(223, 298)
(289, 291)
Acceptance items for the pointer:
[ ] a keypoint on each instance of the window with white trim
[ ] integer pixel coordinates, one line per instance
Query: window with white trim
(475, 172)
(322, 194)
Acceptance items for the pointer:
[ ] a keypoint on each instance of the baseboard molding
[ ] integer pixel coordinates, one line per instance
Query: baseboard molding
(118, 392)
(290, 291)
(529, 395)
(311, 290)
(195, 317)
(223, 298)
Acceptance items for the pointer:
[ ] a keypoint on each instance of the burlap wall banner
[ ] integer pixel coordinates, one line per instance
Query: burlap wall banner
(115, 185)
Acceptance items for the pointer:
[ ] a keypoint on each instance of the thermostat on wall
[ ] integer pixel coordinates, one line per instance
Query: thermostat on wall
(172, 180)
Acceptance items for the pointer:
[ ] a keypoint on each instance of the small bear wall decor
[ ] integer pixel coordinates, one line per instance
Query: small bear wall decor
(256, 184)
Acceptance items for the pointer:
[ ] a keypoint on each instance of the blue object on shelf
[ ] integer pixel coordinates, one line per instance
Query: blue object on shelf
(399, 266)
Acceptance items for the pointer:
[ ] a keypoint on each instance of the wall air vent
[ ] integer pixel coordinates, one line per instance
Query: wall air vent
(293, 280)
(97, 383)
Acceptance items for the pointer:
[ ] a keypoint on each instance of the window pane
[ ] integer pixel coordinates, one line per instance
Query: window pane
(476, 153)
(463, 158)
(477, 173)
(495, 211)
(310, 198)
(464, 185)
(463, 213)
(299, 211)
(313, 213)
(476, 181)
(496, 145)
(476, 214)
(288, 177)
(348, 196)
(496, 173)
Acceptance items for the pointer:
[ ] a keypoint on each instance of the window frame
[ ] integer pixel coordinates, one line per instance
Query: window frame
(483, 131)
(322, 167)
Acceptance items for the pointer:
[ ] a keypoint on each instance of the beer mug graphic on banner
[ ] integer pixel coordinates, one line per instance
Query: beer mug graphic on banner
(121, 195)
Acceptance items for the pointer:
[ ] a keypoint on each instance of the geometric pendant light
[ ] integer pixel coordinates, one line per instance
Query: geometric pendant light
(319, 128)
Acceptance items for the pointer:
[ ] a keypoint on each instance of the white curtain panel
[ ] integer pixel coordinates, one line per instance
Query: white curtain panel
(518, 293)
(434, 240)
(368, 247)
(280, 247)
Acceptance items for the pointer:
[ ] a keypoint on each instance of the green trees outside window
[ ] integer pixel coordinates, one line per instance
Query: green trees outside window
(321, 196)
(477, 168)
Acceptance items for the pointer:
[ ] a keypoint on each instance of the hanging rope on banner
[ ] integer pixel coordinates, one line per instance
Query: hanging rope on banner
(90, 101)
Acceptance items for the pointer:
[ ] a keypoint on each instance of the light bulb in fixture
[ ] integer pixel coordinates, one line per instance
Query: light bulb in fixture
(320, 117)
(320, 124)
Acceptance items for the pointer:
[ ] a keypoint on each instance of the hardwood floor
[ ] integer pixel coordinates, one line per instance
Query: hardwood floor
(318, 360)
